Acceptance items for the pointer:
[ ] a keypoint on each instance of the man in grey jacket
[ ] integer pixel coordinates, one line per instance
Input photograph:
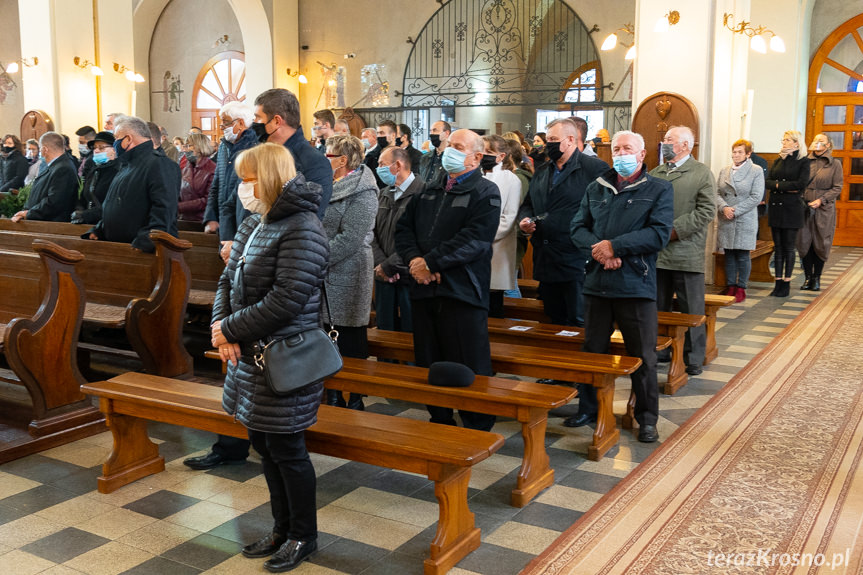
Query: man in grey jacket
(680, 268)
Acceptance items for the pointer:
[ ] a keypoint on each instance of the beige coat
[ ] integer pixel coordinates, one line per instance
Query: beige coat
(825, 182)
(504, 246)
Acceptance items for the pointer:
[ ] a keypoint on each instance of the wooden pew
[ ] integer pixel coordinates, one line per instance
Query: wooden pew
(712, 304)
(526, 402)
(202, 257)
(442, 453)
(595, 369)
(671, 324)
(760, 258)
(40, 317)
(144, 294)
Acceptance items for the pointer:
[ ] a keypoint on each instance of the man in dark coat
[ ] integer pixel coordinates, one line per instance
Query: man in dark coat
(406, 143)
(553, 198)
(392, 276)
(386, 137)
(224, 213)
(52, 197)
(278, 110)
(430, 166)
(88, 208)
(445, 237)
(624, 220)
(144, 193)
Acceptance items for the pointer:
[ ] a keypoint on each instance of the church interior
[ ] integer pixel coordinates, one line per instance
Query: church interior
(758, 465)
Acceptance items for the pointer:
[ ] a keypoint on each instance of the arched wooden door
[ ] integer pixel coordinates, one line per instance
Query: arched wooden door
(835, 107)
(221, 80)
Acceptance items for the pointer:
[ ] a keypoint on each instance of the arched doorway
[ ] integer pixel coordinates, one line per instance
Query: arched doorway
(221, 80)
(835, 107)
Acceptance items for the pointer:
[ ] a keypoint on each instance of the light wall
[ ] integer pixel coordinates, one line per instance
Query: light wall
(175, 51)
(12, 106)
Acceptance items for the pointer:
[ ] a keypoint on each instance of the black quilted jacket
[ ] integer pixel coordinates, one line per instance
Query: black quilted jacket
(278, 293)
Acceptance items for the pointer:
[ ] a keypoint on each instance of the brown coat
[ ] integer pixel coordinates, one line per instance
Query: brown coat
(825, 182)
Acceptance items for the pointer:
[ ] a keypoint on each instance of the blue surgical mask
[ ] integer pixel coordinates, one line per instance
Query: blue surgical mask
(453, 161)
(386, 175)
(191, 157)
(100, 158)
(625, 165)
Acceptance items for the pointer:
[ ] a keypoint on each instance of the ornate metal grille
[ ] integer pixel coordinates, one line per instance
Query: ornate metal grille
(497, 52)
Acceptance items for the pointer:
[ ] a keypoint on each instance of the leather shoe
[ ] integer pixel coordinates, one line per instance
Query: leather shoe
(694, 369)
(265, 547)
(579, 419)
(290, 555)
(210, 461)
(648, 434)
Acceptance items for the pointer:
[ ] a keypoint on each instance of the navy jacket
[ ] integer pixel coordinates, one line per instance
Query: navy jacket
(54, 193)
(314, 166)
(222, 204)
(637, 220)
(555, 258)
(453, 231)
(13, 170)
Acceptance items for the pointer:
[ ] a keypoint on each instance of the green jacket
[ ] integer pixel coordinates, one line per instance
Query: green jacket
(694, 210)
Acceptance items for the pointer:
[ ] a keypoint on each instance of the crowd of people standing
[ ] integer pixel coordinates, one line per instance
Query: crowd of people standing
(431, 240)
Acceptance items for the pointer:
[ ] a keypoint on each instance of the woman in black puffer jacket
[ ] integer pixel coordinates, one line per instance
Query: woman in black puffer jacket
(276, 294)
(785, 184)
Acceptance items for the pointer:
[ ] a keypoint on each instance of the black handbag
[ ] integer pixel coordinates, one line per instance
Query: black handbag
(291, 363)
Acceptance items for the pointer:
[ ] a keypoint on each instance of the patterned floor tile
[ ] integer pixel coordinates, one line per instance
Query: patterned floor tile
(116, 523)
(203, 552)
(65, 544)
(159, 537)
(161, 504)
(525, 538)
(109, 559)
(19, 562)
(347, 556)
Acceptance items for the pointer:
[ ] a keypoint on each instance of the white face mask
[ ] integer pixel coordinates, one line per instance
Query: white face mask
(229, 134)
(246, 193)
(83, 149)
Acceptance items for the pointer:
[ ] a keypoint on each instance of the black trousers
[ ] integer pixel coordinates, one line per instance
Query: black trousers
(689, 287)
(563, 302)
(784, 251)
(291, 480)
(447, 329)
(232, 448)
(636, 319)
(812, 264)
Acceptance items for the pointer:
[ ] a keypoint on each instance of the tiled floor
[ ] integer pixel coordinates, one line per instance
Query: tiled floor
(371, 520)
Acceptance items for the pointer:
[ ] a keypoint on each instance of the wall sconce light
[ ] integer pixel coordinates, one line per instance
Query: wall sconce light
(755, 34)
(94, 69)
(29, 62)
(301, 78)
(128, 73)
(610, 41)
(666, 21)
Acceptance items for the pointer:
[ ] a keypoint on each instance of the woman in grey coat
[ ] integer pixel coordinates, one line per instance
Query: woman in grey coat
(825, 185)
(350, 222)
(738, 193)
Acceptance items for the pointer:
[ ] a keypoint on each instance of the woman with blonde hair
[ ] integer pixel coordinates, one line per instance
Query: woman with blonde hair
(270, 290)
(825, 185)
(785, 183)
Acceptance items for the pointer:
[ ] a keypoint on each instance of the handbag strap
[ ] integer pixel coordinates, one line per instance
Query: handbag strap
(242, 261)
(329, 312)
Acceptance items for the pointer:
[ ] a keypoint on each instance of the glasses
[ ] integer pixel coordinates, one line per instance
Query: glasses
(226, 126)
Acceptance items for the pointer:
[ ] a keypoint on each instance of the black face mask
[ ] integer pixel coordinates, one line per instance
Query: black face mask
(8, 149)
(398, 141)
(435, 140)
(553, 151)
(383, 142)
(260, 130)
(488, 162)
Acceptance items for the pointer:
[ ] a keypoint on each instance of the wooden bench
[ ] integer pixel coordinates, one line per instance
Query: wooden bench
(760, 258)
(442, 453)
(40, 318)
(144, 294)
(670, 324)
(595, 369)
(526, 402)
(712, 305)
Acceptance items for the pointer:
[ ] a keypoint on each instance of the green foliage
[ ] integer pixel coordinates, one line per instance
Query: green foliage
(12, 204)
